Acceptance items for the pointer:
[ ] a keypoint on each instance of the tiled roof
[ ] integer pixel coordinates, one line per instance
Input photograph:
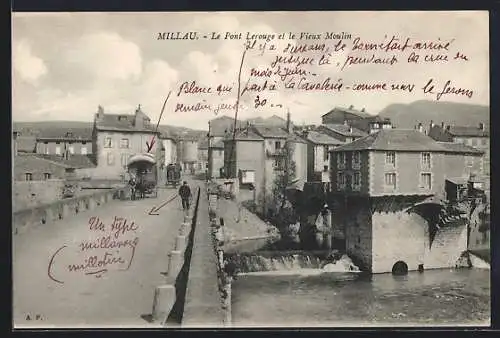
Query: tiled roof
(270, 131)
(73, 161)
(26, 144)
(29, 161)
(344, 130)
(350, 111)
(459, 148)
(320, 138)
(65, 133)
(395, 140)
(121, 122)
(468, 131)
(220, 125)
(244, 135)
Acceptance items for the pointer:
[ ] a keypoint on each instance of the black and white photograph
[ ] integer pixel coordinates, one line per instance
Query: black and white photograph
(251, 169)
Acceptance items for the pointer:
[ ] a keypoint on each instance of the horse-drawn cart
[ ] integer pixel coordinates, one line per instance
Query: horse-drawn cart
(173, 174)
(142, 169)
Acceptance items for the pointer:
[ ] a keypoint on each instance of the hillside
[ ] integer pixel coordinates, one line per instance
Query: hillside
(45, 127)
(459, 114)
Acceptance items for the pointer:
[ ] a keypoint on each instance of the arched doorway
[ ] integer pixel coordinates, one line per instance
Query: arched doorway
(400, 268)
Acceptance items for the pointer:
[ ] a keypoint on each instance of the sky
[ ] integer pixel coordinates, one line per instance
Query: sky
(67, 64)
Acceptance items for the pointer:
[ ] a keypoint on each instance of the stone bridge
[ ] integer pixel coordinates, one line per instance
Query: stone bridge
(100, 261)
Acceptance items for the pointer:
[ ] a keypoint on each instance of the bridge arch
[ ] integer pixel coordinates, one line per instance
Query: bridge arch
(400, 268)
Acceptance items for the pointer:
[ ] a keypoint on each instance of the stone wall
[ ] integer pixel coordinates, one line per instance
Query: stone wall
(397, 236)
(448, 245)
(203, 306)
(45, 214)
(357, 222)
(28, 194)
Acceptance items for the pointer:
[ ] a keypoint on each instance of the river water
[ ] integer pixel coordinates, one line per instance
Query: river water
(312, 298)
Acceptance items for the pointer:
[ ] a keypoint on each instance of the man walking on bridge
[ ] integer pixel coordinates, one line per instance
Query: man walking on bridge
(185, 194)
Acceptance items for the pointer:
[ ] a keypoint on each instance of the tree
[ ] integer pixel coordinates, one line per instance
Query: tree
(285, 173)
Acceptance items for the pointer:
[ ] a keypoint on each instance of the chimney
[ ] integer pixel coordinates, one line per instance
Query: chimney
(305, 133)
(346, 123)
(432, 124)
(448, 127)
(363, 109)
(442, 125)
(481, 126)
(351, 107)
(100, 113)
(350, 129)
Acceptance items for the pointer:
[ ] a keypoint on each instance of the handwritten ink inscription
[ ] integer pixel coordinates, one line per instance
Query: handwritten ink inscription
(112, 249)
(309, 62)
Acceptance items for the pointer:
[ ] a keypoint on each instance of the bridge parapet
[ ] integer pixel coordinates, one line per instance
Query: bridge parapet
(25, 219)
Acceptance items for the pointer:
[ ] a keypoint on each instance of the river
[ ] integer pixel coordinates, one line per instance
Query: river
(312, 299)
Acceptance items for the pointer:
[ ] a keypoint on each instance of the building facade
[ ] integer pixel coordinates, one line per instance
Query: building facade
(381, 186)
(359, 119)
(116, 138)
(476, 137)
(344, 133)
(256, 157)
(319, 146)
(58, 142)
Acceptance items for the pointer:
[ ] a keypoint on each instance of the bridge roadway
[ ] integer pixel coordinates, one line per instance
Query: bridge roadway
(117, 298)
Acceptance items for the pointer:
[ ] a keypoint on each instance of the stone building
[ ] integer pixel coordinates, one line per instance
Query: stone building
(57, 141)
(477, 137)
(345, 133)
(256, 156)
(117, 137)
(386, 191)
(319, 146)
(358, 119)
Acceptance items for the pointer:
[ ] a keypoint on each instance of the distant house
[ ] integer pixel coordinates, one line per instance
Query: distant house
(58, 141)
(344, 133)
(318, 155)
(187, 153)
(217, 130)
(169, 148)
(255, 156)
(477, 137)
(202, 164)
(117, 137)
(359, 119)
(381, 189)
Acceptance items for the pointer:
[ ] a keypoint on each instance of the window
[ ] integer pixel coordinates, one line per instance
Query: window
(84, 150)
(71, 150)
(47, 176)
(124, 143)
(47, 152)
(277, 145)
(426, 160)
(84, 142)
(426, 181)
(58, 142)
(341, 160)
(325, 153)
(469, 161)
(58, 150)
(111, 159)
(356, 181)
(356, 160)
(473, 142)
(108, 142)
(341, 180)
(124, 160)
(45, 142)
(484, 141)
(390, 158)
(28, 176)
(325, 168)
(390, 180)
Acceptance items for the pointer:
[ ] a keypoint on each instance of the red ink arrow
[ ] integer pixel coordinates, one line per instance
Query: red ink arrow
(151, 144)
(154, 210)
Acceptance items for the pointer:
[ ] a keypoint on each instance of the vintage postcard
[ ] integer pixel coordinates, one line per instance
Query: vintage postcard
(251, 169)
